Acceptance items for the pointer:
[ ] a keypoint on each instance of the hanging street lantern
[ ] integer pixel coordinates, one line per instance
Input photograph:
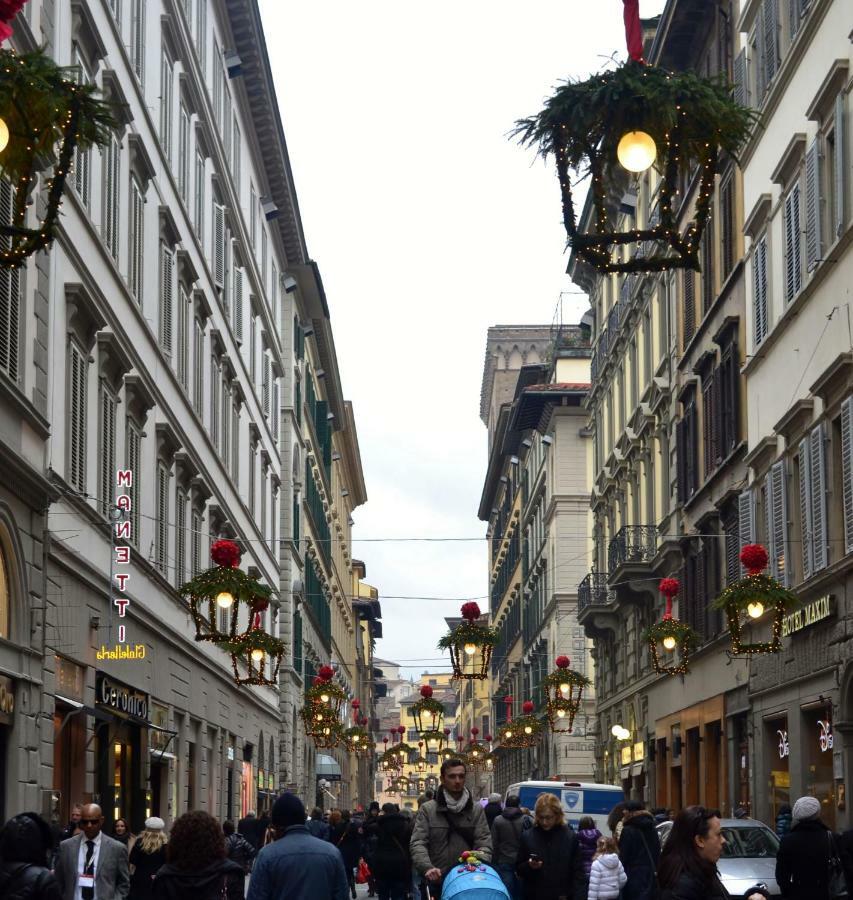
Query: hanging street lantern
(470, 645)
(564, 691)
(428, 713)
(524, 731)
(671, 641)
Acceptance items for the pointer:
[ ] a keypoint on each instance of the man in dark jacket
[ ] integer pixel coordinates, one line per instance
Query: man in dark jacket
(506, 837)
(639, 851)
(252, 829)
(392, 863)
(237, 847)
(371, 836)
(317, 826)
(297, 865)
(493, 808)
(24, 843)
(802, 863)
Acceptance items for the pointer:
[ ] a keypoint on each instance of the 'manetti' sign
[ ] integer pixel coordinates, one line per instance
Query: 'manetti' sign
(810, 614)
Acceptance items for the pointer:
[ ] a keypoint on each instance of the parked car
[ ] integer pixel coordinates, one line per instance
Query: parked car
(749, 856)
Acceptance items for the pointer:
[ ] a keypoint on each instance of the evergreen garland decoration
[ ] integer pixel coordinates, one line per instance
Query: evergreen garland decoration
(49, 116)
(564, 689)
(524, 731)
(684, 638)
(691, 118)
(747, 600)
(260, 671)
(566, 676)
(357, 741)
(468, 633)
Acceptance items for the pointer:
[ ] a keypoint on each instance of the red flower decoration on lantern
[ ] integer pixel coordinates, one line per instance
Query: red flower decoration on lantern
(527, 707)
(669, 587)
(475, 731)
(426, 691)
(326, 673)
(470, 611)
(8, 10)
(225, 553)
(563, 662)
(754, 558)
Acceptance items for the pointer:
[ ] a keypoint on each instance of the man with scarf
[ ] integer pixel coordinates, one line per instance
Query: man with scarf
(448, 826)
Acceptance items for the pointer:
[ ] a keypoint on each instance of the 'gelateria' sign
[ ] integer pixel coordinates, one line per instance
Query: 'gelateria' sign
(810, 614)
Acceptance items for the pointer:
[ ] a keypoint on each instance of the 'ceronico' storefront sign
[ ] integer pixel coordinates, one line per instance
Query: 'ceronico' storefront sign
(810, 614)
(120, 698)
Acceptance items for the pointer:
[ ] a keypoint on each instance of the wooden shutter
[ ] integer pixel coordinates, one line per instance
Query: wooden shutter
(182, 337)
(235, 443)
(184, 152)
(266, 384)
(137, 38)
(111, 182)
(741, 92)
(813, 241)
(818, 497)
(77, 364)
(793, 17)
(770, 39)
(166, 81)
(195, 543)
(253, 346)
(275, 409)
(681, 460)
(238, 303)
(708, 415)
(732, 549)
(840, 182)
(689, 305)
(793, 254)
(107, 450)
(161, 557)
(167, 297)
(806, 508)
(214, 402)
(225, 442)
(10, 293)
(180, 537)
(218, 245)
(132, 457)
(779, 523)
(847, 470)
(198, 367)
(746, 520)
(199, 194)
(759, 285)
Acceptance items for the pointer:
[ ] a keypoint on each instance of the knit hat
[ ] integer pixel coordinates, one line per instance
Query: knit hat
(288, 810)
(154, 823)
(495, 798)
(806, 808)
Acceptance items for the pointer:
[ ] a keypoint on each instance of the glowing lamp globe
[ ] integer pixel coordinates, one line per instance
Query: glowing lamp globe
(507, 734)
(669, 642)
(224, 599)
(564, 688)
(755, 609)
(4, 135)
(257, 654)
(561, 714)
(636, 151)
(324, 698)
(470, 649)
(528, 729)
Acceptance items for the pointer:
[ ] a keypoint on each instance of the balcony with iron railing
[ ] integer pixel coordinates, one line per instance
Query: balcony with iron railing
(632, 545)
(596, 604)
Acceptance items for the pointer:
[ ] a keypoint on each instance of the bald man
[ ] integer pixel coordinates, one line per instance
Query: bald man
(92, 866)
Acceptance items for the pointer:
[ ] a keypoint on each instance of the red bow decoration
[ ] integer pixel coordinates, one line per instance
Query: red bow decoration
(223, 553)
(470, 611)
(669, 587)
(754, 558)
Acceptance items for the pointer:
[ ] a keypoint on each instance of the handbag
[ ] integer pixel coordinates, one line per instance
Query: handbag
(836, 883)
(363, 874)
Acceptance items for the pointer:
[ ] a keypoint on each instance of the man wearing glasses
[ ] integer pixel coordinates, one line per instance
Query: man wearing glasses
(91, 865)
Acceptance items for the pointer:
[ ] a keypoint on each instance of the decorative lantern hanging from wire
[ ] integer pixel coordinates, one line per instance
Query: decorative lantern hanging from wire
(671, 641)
(470, 645)
(678, 121)
(524, 731)
(477, 752)
(428, 713)
(261, 652)
(564, 690)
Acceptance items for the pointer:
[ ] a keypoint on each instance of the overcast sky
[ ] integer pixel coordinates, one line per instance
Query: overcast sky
(429, 226)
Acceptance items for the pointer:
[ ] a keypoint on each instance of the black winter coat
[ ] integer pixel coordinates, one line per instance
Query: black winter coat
(252, 828)
(492, 811)
(346, 838)
(639, 851)
(25, 881)
(145, 867)
(239, 850)
(391, 860)
(562, 873)
(802, 863)
(204, 884)
(691, 887)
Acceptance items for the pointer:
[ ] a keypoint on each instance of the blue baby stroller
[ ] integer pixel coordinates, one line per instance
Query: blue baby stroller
(480, 882)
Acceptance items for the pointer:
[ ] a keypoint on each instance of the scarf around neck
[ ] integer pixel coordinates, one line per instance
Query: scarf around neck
(456, 806)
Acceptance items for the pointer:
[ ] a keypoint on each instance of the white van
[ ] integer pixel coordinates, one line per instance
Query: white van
(578, 799)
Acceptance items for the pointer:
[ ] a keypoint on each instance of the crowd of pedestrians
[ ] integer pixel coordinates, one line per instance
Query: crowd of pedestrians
(289, 855)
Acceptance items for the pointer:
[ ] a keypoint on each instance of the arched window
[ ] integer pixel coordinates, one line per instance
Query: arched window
(5, 596)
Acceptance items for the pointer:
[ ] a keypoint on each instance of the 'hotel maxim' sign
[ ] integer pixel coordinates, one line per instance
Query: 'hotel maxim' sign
(810, 614)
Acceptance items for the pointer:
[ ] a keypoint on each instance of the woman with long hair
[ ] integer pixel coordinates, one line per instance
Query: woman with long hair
(25, 841)
(146, 858)
(549, 858)
(122, 833)
(196, 864)
(687, 869)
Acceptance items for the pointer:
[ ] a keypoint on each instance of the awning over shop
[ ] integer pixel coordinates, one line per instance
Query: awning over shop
(328, 767)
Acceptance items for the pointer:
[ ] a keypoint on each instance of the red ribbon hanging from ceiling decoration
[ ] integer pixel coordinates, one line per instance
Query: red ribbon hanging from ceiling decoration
(633, 29)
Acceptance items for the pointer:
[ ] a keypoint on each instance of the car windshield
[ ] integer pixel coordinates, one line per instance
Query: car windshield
(749, 843)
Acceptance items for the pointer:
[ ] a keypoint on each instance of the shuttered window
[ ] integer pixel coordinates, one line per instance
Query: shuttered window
(812, 489)
(839, 167)
(167, 77)
(729, 399)
(167, 297)
(759, 290)
(253, 349)
(776, 521)
(732, 547)
(727, 228)
(107, 450)
(265, 391)
(238, 302)
(689, 305)
(115, 9)
(235, 444)
(225, 442)
(111, 168)
(137, 38)
(136, 240)
(214, 401)
(201, 35)
(78, 365)
(253, 465)
(218, 249)
(133, 459)
(217, 86)
(10, 293)
(198, 367)
(195, 542)
(741, 86)
(236, 158)
(793, 252)
(847, 471)
(182, 338)
(746, 521)
(198, 217)
(275, 409)
(708, 287)
(180, 537)
(184, 153)
(161, 524)
(769, 40)
(82, 158)
(813, 236)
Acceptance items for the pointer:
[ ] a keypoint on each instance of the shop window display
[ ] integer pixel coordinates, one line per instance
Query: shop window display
(818, 773)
